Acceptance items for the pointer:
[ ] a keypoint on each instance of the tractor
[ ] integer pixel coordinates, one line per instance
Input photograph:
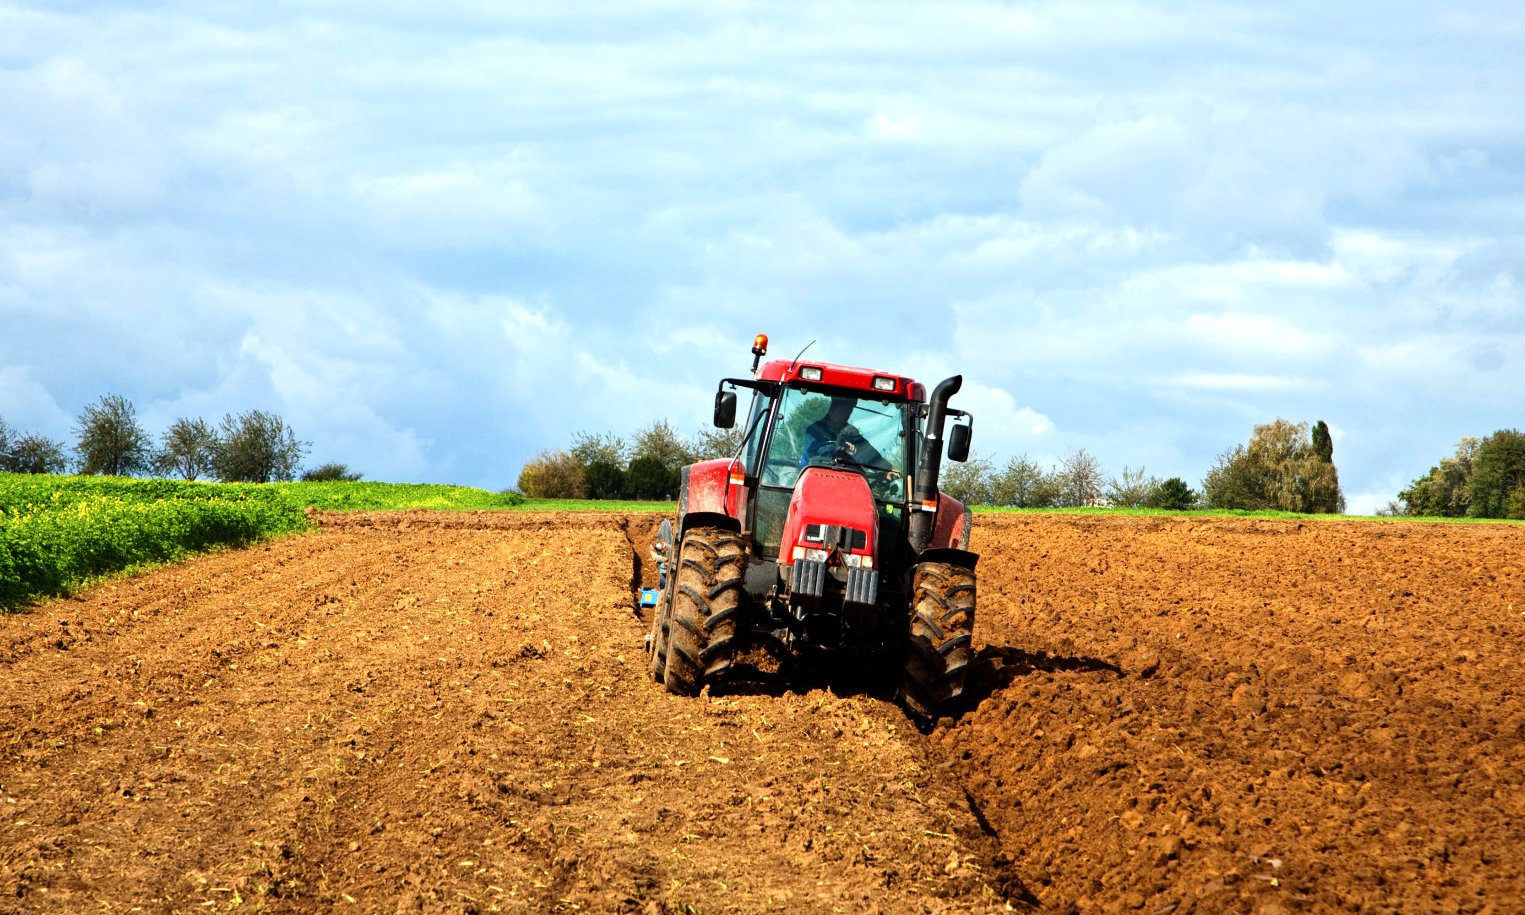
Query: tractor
(825, 531)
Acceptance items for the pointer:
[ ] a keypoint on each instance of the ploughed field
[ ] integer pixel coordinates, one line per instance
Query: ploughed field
(431, 712)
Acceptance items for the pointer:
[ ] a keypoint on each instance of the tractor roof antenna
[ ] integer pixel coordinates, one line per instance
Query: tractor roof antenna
(802, 352)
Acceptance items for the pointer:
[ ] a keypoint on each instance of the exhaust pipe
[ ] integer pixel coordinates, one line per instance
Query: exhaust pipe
(924, 491)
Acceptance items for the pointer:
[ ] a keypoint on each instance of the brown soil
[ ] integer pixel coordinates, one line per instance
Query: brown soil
(450, 712)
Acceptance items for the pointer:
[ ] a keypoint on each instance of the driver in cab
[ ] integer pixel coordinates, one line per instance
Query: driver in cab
(832, 435)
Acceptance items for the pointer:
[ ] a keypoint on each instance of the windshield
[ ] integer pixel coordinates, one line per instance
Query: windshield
(824, 430)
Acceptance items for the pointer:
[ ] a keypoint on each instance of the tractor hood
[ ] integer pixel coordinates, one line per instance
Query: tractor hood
(832, 517)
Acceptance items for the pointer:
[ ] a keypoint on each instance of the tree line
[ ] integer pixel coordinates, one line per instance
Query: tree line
(252, 447)
(605, 466)
(1285, 466)
(1483, 478)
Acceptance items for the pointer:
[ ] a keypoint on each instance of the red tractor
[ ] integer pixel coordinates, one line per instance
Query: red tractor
(826, 529)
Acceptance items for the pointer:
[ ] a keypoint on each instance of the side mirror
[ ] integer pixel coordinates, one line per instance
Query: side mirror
(958, 443)
(725, 409)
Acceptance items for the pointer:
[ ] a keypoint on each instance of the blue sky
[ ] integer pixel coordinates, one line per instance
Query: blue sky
(440, 237)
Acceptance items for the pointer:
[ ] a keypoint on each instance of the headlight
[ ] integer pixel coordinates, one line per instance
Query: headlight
(857, 561)
(810, 372)
(812, 555)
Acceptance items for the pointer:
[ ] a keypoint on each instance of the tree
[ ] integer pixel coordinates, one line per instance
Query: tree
(5, 445)
(589, 447)
(35, 454)
(604, 480)
(1444, 492)
(187, 449)
(331, 473)
(1173, 495)
(647, 478)
(969, 482)
(1279, 469)
(716, 443)
(1133, 489)
(257, 447)
(552, 475)
(1323, 444)
(1498, 472)
(1080, 476)
(660, 443)
(1022, 483)
(111, 441)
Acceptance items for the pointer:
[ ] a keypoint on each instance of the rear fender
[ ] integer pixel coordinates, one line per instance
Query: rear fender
(706, 488)
(954, 521)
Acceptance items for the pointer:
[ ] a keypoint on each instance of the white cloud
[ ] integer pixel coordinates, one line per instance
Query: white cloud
(1134, 229)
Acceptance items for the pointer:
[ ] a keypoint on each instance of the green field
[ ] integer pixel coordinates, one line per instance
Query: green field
(60, 533)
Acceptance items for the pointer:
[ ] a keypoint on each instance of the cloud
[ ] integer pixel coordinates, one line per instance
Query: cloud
(440, 239)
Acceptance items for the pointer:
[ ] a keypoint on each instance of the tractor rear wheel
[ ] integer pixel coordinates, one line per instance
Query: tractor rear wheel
(706, 598)
(939, 649)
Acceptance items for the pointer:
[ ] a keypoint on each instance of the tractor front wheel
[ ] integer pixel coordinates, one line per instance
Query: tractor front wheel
(939, 649)
(706, 598)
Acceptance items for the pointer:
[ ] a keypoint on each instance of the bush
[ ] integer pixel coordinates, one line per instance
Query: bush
(1134, 489)
(552, 475)
(331, 473)
(1173, 495)
(257, 447)
(604, 480)
(111, 442)
(649, 479)
(187, 449)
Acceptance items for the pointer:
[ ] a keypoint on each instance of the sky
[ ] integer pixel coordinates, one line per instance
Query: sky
(437, 238)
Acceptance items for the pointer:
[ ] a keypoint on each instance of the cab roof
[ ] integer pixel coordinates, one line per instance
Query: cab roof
(844, 376)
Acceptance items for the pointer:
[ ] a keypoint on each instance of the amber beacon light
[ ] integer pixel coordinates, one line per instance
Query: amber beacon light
(759, 350)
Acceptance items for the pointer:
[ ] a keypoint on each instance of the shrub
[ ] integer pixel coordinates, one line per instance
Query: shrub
(1173, 495)
(1134, 489)
(647, 478)
(604, 480)
(552, 475)
(331, 473)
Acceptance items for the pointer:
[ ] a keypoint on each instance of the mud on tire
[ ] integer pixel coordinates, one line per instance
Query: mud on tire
(707, 596)
(938, 651)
